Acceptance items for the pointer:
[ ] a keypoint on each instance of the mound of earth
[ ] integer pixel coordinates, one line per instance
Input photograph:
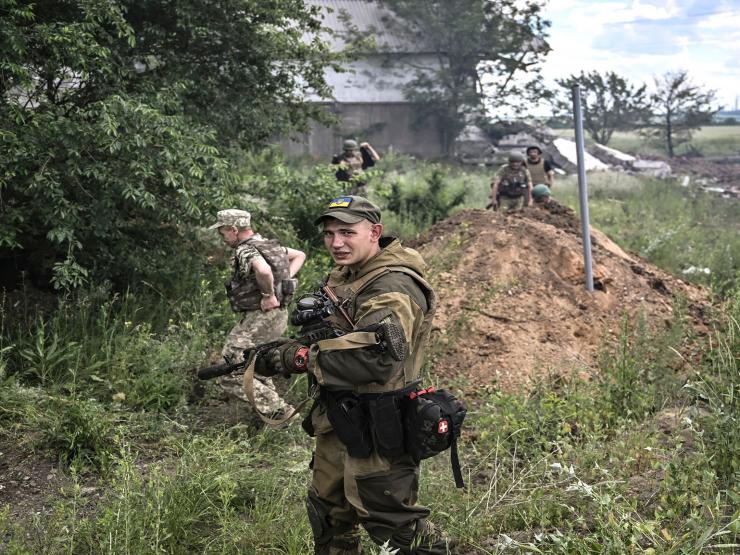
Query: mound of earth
(512, 302)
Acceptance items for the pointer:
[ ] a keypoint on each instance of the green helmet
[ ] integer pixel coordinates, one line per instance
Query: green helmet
(516, 157)
(541, 190)
(350, 144)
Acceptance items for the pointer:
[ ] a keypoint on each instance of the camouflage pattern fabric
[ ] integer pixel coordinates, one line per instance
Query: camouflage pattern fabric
(510, 204)
(243, 291)
(255, 328)
(513, 182)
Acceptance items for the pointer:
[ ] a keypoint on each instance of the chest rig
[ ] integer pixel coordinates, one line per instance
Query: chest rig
(537, 171)
(349, 291)
(244, 294)
(513, 183)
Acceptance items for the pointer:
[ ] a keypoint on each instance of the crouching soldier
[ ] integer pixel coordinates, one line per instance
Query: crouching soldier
(260, 289)
(362, 474)
(511, 188)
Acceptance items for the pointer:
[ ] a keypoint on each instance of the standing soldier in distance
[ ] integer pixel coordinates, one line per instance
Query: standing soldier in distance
(540, 169)
(511, 188)
(355, 480)
(352, 163)
(261, 286)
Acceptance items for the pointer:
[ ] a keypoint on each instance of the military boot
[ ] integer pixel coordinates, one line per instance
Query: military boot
(420, 538)
(345, 544)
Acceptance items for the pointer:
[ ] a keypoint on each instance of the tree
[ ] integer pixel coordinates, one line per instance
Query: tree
(243, 67)
(681, 107)
(609, 103)
(112, 153)
(485, 54)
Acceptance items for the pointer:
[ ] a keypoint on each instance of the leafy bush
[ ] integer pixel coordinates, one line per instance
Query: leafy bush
(116, 139)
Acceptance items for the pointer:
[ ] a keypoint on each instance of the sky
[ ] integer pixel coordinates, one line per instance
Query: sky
(640, 39)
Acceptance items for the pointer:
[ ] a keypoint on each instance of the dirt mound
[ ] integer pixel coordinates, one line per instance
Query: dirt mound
(512, 301)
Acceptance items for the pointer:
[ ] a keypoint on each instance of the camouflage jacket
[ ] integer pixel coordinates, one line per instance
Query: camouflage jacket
(390, 285)
(514, 183)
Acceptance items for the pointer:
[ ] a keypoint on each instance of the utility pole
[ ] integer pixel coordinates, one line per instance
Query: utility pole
(582, 187)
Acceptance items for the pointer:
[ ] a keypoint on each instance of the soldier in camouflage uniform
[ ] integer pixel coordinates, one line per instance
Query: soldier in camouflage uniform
(262, 273)
(379, 283)
(511, 188)
(352, 163)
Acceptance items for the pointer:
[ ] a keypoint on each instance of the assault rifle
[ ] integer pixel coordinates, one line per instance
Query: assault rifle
(310, 314)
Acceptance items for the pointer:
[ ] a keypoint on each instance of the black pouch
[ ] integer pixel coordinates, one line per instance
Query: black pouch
(387, 426)
(432, 423)
(350, 423)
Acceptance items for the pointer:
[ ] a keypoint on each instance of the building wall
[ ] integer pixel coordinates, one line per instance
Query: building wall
(387, 126)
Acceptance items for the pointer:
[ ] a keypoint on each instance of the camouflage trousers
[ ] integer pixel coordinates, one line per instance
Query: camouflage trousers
(509, 204)
(255, 327)
(379, 493)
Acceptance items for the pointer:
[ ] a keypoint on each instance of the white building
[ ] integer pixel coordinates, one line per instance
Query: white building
(369, 99)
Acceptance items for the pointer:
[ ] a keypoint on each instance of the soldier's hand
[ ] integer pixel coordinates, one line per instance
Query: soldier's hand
(268, 303)
(289, 358)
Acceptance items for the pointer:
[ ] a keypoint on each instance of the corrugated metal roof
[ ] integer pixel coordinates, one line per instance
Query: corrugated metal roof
(372, 81)
(366, 15)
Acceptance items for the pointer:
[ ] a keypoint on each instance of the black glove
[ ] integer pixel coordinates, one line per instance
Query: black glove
(289, 358)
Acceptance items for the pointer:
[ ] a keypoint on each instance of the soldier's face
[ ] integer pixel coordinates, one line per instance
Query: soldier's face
(533, 155)
(230, 235)
(515, 165)
(351, 244)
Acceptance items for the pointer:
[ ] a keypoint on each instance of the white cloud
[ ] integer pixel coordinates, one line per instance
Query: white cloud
(643, 38)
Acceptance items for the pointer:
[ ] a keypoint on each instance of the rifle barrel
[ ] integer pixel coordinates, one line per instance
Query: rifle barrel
(217, 370)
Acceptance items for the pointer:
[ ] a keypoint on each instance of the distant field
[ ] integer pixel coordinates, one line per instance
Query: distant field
(719, 140)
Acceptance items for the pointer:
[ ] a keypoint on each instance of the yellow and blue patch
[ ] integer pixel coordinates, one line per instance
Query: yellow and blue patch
(340, 202)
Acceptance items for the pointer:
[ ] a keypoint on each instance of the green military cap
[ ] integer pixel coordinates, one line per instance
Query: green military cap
(540, 190)
(349, 144)
(350, 210)
(516, 157)
(232, 216)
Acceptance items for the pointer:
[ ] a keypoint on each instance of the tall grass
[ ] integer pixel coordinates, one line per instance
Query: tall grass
(635, 460)
(688, 232)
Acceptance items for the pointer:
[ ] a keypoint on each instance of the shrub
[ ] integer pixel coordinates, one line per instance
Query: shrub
(78, 431)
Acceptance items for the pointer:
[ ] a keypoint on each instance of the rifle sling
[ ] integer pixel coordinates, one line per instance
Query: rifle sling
(274, 423)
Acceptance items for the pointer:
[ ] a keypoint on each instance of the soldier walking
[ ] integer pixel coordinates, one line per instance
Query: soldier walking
(262, 283)
(362, 478)
(511, 188)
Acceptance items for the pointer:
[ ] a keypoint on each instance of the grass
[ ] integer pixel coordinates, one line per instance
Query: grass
(573, 467)
(693, 234)
(714, 140)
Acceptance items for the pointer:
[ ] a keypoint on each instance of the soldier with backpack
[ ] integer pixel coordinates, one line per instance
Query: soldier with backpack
(261, 286)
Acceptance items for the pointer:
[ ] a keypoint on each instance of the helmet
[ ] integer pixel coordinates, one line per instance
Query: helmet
(541, 190)
(533, 147)
(350, 144)
(516, 157)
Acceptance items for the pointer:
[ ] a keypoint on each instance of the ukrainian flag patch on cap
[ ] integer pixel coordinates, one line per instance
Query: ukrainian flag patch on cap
(340, 202)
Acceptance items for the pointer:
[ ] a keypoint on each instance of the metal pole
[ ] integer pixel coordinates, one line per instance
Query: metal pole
(582, 187)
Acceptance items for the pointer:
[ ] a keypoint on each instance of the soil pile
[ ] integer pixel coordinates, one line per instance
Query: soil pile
(512, 301)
